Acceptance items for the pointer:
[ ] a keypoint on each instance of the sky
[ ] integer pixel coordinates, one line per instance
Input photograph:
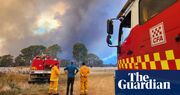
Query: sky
(64, 22)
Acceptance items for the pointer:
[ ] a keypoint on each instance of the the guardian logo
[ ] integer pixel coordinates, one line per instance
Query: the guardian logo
(138, 81)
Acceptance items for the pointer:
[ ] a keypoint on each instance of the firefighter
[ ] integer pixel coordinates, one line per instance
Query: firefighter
(53, 87)
(84, 72)
(72, 71)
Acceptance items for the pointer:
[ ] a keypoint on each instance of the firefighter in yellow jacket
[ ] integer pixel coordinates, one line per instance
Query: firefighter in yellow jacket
(54, 80)
(84, 72)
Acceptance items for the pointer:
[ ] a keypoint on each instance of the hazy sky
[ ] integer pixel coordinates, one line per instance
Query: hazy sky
(65, 22)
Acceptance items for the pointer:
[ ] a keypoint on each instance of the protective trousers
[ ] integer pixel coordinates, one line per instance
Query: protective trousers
(53, 87)
(84, 85)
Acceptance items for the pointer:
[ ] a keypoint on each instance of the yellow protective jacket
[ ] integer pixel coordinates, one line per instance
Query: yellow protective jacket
(54, 73)
(84, 71)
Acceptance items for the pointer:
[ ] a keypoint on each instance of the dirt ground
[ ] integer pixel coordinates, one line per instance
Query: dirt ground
(101, 82)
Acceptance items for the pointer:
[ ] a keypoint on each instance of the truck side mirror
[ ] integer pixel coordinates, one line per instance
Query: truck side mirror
(109, 26)
(108, 40)
(110, 32)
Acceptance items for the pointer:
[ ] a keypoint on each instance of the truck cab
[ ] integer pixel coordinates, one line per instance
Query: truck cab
(149, 37)
(149, 31)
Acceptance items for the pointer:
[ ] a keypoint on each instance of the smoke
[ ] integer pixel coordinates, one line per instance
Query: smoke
(85, 21)
(77, 21)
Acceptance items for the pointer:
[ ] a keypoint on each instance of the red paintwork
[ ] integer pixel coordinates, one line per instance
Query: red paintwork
(139, 39)
(41, 62)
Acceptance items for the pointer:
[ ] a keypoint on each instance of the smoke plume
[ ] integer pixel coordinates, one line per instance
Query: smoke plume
(65, 22)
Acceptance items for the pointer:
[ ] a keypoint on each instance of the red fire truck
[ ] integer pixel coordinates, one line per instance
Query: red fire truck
(148, 42)
(41, 69)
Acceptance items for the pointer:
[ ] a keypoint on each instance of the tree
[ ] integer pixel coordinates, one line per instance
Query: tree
(79, 52)
(91, 58)
(20, 60)
(64, 62)
(33, 50)
(6, 60)
(53, 50)
(28, 53)
(94, 60)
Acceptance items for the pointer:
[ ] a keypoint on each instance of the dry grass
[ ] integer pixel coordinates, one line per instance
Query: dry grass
(9, 83)
(101, 82)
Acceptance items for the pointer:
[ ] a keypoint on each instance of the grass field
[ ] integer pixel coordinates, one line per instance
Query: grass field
(101, 82)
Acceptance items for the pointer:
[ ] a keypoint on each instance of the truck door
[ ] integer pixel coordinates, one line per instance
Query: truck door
(159, 28)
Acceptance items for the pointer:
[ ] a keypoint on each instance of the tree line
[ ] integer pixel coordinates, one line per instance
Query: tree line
(80, 54)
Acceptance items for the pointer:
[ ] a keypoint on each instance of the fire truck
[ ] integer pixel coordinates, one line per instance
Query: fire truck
(40, 69)
(148, 47)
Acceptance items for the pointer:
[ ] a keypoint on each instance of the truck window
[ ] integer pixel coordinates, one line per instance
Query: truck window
(150, 8)
(125, 27)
